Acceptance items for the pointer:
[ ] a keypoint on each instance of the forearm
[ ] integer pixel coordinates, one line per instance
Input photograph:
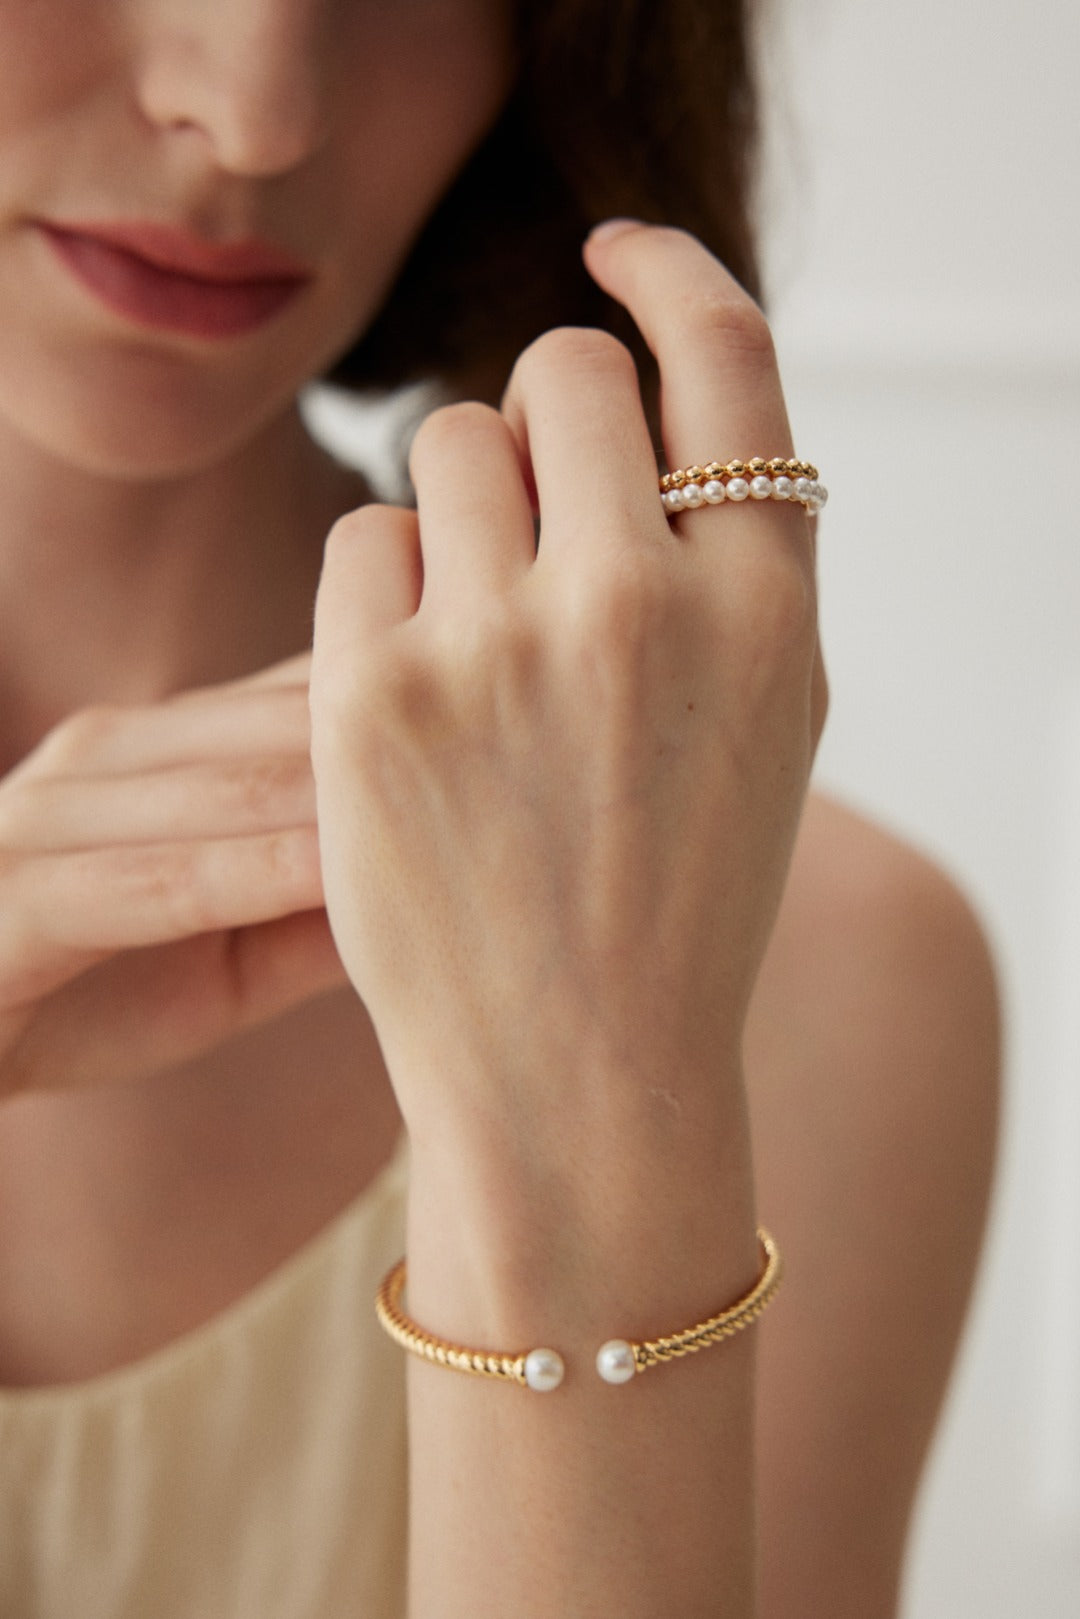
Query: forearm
(634, 1501)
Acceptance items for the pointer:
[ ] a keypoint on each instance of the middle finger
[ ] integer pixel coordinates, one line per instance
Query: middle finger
(574, 405)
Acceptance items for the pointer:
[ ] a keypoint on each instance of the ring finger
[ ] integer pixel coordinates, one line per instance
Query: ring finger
(721, 397)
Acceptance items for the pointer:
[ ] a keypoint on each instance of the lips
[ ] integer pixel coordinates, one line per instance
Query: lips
(161, 277)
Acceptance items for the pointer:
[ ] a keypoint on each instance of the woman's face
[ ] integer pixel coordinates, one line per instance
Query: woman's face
(140, 139)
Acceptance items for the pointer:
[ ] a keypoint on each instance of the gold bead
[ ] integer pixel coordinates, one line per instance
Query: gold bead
(678, 479)
(665, 483)
(777, 467)
(755, 466)
(695, 474)
(713, 470)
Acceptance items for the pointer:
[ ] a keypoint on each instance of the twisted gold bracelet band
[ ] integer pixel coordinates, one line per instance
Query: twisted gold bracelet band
(617, 1361)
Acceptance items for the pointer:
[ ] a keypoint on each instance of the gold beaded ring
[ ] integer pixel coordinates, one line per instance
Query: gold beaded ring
(757, 479)
(617, 1361)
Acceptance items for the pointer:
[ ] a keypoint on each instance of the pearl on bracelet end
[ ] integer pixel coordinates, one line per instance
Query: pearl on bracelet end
(615, 1361)
(544, 1370)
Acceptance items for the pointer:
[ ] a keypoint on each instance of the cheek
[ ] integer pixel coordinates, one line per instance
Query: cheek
(56, 58)
(48, 52)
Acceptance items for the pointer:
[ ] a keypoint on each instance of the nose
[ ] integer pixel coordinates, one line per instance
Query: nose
(247, 77)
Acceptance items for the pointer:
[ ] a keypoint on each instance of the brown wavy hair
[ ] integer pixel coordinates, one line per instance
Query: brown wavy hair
(643, 108)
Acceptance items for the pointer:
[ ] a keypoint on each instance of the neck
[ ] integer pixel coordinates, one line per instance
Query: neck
(115, 591)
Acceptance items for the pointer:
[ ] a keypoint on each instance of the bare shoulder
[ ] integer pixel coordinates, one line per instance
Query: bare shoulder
(873, 1062)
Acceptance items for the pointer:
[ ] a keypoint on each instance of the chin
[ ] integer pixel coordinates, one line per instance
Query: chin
(139, 417)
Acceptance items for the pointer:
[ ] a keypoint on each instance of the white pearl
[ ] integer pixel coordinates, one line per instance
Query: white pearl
(673, 501)
(803, 487)
(821, 495)
(713, 491)
(737, 489)
(544, 1370)
(615, 1361)
(782, 489)
(693, 495)
(760, 487)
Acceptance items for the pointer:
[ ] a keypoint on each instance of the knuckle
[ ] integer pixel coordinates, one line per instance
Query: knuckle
(171, 888)
(81, 735)
(184, 888)
(374, 738)
(292, 865)
(574, 348)
(497, 658)
(628, 604)
(264, 789)
(200, 888)
(335, 706)
(449, 428)
(165, 883)
(733, 318)
(356, 525)
(395, 687)
(142, 882)
(390, 690)
(780, 608)
(638, 588)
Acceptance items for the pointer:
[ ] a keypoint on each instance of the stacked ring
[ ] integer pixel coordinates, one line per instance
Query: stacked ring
(756, 479)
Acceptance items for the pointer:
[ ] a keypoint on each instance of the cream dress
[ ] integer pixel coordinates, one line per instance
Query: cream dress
(253, 1469)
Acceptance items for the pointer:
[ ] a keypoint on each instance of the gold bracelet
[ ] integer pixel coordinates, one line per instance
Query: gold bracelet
(617, 1361)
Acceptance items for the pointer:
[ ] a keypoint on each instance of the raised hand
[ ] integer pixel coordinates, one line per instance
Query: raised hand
(159, 883)
(558, 790)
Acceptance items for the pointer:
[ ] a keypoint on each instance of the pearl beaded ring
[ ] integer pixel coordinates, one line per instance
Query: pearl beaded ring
(756, 479)
(617, 1361)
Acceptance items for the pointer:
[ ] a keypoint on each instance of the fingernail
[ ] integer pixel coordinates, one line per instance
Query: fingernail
(611, 228)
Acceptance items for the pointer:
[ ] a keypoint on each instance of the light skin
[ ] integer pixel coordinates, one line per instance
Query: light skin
(526, 764)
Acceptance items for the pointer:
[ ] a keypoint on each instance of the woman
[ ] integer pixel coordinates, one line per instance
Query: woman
(621, 983)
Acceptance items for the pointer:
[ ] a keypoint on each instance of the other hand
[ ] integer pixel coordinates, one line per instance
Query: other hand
(159, 883)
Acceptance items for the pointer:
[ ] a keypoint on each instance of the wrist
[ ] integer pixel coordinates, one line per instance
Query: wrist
(580, 1230)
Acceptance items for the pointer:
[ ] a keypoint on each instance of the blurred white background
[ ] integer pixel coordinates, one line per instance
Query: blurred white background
(923, 248)
(922, 213)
